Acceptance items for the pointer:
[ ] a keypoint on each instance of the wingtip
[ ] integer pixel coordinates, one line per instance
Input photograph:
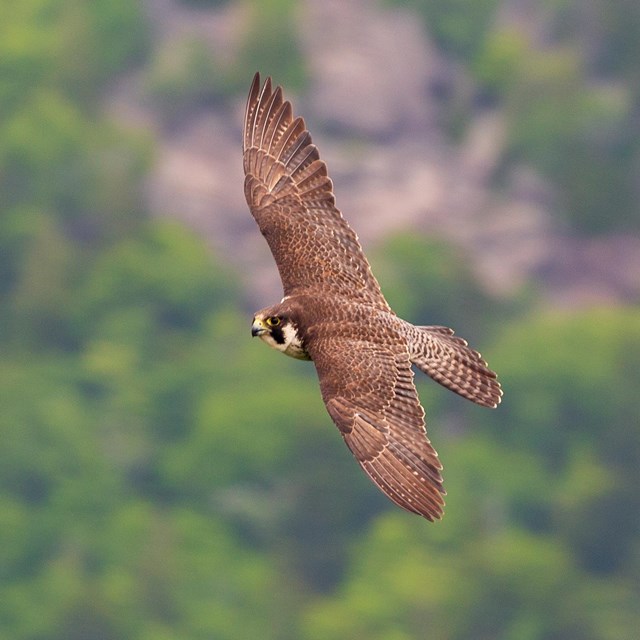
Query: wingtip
(259, 88)
(254, 89)
(257, 95)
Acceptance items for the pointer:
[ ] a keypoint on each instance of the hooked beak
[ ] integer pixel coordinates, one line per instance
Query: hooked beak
(257, 328)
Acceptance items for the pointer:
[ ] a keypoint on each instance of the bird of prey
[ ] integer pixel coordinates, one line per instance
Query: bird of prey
(333, 313)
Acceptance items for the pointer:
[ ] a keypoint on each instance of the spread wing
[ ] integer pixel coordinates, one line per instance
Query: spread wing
(291, 197)
(369, 392)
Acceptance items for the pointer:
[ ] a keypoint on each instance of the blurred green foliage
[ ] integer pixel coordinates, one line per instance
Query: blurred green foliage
(188, 75)
(206, 3)
(566, 76)
(184, 78)
(458, 26)
(578, 132)
(429, 278)
(164, 477)
(271, 42)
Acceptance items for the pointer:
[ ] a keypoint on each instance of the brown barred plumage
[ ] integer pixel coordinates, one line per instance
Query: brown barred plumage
(334, 313)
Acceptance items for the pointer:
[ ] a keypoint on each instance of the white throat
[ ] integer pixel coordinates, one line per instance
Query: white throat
(292, 345)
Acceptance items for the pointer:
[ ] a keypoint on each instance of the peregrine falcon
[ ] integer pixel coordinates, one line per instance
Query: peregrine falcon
(334, 314)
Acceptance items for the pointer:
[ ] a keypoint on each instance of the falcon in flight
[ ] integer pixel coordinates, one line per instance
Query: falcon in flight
(333, 313)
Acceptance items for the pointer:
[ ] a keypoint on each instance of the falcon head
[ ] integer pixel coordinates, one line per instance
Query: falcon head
(279, 331)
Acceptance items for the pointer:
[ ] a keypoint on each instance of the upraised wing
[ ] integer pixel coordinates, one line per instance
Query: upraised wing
(291, 198)
(369, 392)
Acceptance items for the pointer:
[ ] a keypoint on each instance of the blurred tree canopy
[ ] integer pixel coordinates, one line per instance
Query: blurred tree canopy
(164, 477)
(189, 76)
(459, 26)
(566, 76)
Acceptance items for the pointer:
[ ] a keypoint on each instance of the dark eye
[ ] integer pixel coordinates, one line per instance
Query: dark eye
(273, 321)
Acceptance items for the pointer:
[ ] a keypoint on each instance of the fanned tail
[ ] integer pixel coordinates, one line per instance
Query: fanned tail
(450, 361)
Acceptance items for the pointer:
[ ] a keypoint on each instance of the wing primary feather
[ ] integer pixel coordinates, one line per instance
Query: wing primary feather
(278, 126)
(270, 110)
(292, 132)
(385, 476)
(390, 491)
(407, 471)
(414, 496)
(317, 169)
(300, 160)
(250, 110)
(256, 111)
(299, 143)
(423, 467)
(259, 109)
(266, 99)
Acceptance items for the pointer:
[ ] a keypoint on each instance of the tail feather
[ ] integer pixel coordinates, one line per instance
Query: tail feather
(448, 359)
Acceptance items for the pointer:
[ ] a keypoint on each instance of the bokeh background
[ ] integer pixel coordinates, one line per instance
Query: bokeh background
(163, 476)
